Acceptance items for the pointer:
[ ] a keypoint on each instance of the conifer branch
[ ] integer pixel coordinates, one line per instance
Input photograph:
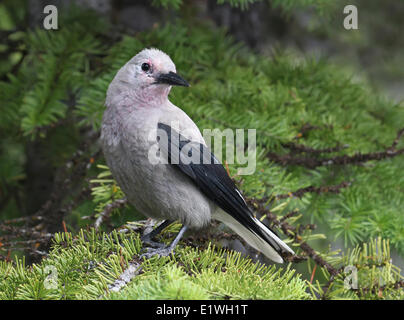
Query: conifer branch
(133, 269)
(293, 233)
(300, 148)
(119, 203)
(357, 158)
(22, 237)
(312, 189)
(378, 290)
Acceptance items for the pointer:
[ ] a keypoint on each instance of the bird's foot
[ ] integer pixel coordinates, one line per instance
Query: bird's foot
(152, 243)
(162, 252)
(148, 235)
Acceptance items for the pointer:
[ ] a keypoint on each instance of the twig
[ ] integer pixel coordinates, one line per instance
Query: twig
(379, 289)
(305, 149)
(313, 163)
(133, 270)
(397, 139)
(357, 158)
(319, 260)
(119, 203)
(323, 189)
(293, 233)
(22, 219)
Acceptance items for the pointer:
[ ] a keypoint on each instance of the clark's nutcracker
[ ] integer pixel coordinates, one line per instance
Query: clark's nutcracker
(137, 109)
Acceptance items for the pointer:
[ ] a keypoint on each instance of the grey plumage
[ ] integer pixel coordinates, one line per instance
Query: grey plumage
(136, 106)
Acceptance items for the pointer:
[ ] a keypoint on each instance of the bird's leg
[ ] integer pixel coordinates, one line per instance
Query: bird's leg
(178, 238)
(148, 238)
(165, 251)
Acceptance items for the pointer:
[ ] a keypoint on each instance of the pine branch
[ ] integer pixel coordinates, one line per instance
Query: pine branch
(133, 269)
(293, 233)
(396, 140)
(378, 290)
(29, 239)
(117, 204)
(311, 189)
(300, 148)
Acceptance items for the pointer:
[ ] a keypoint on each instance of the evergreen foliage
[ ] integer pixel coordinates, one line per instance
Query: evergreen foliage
(87, 263)
(299, 107)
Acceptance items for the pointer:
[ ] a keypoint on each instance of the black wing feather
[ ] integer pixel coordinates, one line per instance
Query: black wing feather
(211, 178)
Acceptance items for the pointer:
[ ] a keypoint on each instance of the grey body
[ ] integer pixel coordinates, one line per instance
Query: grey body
(137, 100)
(158, 191)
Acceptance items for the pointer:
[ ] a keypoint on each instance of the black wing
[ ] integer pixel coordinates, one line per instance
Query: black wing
(198, 163)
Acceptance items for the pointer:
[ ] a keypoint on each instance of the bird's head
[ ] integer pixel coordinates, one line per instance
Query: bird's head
(149, 75)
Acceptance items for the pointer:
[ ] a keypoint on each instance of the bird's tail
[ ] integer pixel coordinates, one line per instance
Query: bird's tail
(259, 236)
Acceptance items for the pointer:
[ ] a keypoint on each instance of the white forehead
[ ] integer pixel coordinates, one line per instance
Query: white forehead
(156, 57)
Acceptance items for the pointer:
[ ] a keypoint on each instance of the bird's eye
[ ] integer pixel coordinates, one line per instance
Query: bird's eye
(145, 67)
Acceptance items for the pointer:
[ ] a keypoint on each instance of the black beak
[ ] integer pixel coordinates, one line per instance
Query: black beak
(172, 78)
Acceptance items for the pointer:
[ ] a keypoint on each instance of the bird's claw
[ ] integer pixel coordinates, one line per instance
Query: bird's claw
(162, 252)
(153, 244)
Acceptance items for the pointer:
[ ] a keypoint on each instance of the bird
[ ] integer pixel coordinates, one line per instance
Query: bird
(138, 113)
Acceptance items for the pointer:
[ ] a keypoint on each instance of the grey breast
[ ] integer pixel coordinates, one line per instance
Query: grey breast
(159, 191)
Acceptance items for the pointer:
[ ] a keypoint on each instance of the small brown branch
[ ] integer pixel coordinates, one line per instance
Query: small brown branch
(379, 289)
(357, 158)
(312, 189)
(12, 244)
(293, 233)
(329, 284)
(134, 268)
(312, 163)
(21, 238)
(397, 139)
(119, 203)
(300, 148)
(16, 232)
(22, 219)
(317, 258)
(288, 215)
